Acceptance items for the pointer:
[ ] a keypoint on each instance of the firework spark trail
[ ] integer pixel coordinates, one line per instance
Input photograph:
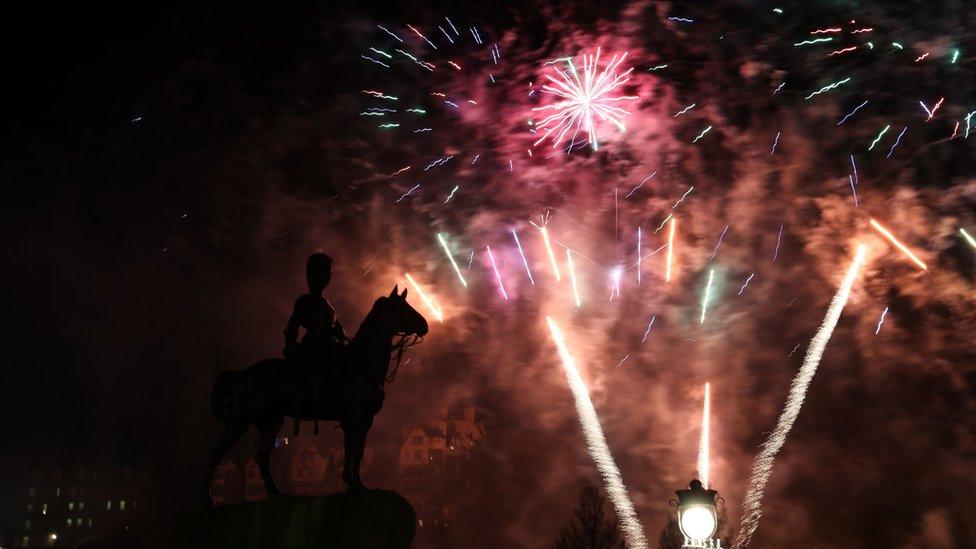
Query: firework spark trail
(661, 226)
(850, 114)
(572, 278)
(683, 197)
(897, 140)
(498, 275)
(450, 196)
(706, 296)
(762, 467)
(828, 87)
(406, 194)
(972, 242)
(648, 330)
(703, 449)
(552, 256)
(746, 283)
(450, 257)
(667, 274)
(638, 255)
(854, 181)
(880, 135)
(522, 253)
(596, 445)
(775, 142)
(615, 275)
(813, 41)
(583, 101)
(781, 84)
(891, 238)
(779, 240)
(428, 301)
(632, 191)
(884, 313)
(702, 134)
(719, 244)
(684, 110)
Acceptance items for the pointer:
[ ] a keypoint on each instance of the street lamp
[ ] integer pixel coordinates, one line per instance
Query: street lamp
(697, 517)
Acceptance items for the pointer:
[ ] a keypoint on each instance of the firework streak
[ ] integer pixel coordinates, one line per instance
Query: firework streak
(596, 444)
(891, 238)
(450, 256)
(572, 277)
(498, 275)
(703, 449)
(426, 299)
(667, 273)
(762, 467)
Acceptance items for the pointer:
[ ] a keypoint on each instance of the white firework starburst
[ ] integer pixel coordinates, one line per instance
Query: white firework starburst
(586, 97)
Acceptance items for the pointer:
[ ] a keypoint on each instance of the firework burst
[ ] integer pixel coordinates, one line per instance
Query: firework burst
(586, 97)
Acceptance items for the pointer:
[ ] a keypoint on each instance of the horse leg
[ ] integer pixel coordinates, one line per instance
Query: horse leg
(232, 432)
(358, 447)
(268, 429)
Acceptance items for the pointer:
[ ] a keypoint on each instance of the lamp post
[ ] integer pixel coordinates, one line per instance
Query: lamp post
(697, 516)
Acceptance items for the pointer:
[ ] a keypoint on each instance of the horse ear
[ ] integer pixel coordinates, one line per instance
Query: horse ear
(404, 294)
(395, 291)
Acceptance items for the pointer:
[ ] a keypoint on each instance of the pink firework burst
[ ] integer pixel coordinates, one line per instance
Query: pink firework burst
(586, 97)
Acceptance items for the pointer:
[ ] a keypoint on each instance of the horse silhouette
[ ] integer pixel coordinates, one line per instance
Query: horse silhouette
(350, 391)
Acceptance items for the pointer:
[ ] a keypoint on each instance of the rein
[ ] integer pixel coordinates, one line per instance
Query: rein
(405, 342)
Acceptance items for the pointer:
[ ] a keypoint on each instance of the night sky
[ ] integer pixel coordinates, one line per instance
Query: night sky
(168, 172)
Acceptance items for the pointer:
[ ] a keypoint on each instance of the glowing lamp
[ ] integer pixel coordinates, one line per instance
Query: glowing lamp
(697, 517)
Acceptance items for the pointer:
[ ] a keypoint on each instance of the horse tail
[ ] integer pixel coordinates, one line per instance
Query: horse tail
(220, 397)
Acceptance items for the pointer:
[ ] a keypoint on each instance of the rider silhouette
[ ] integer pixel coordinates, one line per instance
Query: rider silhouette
(323, 333)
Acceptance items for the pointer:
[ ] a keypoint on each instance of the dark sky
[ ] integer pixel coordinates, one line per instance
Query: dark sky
(168, 171)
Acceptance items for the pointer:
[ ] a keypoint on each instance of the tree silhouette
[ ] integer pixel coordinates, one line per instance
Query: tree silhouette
(591, 528)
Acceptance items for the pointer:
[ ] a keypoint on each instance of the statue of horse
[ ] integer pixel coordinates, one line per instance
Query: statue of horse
(350, 391)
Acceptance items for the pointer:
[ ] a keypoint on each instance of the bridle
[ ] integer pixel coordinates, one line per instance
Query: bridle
(405, 341)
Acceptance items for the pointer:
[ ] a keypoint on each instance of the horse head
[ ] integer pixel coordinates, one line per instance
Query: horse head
(398, 316)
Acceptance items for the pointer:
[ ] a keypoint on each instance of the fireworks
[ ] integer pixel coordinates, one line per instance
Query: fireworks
(498, 275)
(552, 256)
(968, 237)
(596, 445)
(746, 283)
(880, 135)
(884, 313)
(706, 296)
(828, 87)
(428, 301)
(670, 259)
(891, 238)
(450, 257)
(703, 449)
(522, 254)
(572, 278)
(850, 114)
(584, 99)
(762, 467)
(638, 256)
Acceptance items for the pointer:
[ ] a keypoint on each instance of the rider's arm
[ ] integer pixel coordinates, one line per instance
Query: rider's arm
(291, 329)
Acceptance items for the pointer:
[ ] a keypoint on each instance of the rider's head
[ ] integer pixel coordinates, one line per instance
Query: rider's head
(318, 272)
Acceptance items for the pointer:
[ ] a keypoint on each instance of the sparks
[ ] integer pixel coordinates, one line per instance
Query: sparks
(667, 275)
(842, 51)
(853, 179)
(596, 445)
(572, 277)
(522, 253)
(850, 114)
(775, 142)
(814, 41)
(967, 236)
(683, 197)
(648, 330)
(897, 140)
(406, 194)
(684, 110)
(616, 274)
(428, 301)
(707, 296)
(641, 184)
(763, 465)
(703, 449)
(884, 313)
(401, 170)
(779, 239)
(552, 256)
(702, 134)
(880, 135)
(450, 196)
(746, 283)
(828, 87)
(582, 101)
(384, 29)
(638, 255)
(921, 57)
(891, 238)
(498, 275)
(720, 238)
(781, 84)
(450, 257)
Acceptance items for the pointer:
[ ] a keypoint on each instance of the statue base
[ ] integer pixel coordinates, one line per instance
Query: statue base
(354, 520)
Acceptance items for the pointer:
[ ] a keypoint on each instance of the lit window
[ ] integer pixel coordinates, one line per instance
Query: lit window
(69, 522)
(44, 509)
(81, 505)
(89, 522)
(27, 525)
(30, 507)
(52, 538)
(71, 506)
(31, 493)
(58, 494)
(108, 505)
(122, 505)
(25, 541)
